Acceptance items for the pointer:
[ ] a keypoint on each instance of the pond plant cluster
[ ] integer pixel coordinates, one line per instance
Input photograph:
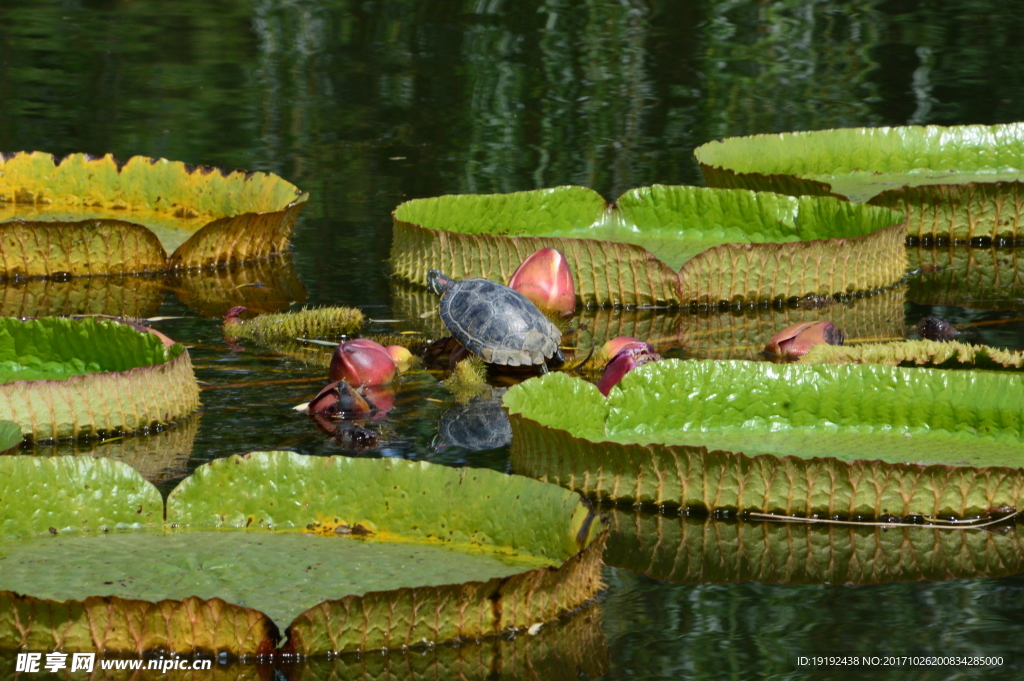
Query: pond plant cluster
(834, 418)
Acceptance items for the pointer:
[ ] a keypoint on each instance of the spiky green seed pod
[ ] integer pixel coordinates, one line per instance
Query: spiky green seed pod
(468, 379)
(321, 322)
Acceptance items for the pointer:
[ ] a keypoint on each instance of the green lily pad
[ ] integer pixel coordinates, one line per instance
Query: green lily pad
(657, 245)
(84, 215)
(69, 378)
(979, 278)
(961, 182)
(692, 550)
(366, 554)
(855, 440)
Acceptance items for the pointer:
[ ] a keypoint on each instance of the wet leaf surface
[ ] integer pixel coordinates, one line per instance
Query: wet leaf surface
(280, 574)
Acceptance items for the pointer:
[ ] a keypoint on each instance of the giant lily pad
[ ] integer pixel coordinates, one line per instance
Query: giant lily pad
(979, 278)
(366, 553)
(857, 440)
(960, 183)
(657, 245)
(69, 378)
(86, 215)
(693, 550)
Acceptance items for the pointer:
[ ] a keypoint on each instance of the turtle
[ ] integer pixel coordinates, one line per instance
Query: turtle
(495, 322)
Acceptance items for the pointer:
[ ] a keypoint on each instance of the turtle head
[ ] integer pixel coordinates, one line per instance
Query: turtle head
(437, 282)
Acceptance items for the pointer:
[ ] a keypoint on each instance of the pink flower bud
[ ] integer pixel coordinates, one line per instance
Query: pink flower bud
(797, 340)
(234, 314)
(362, 362)
(545, 278)
(616, 345)
(624, 362)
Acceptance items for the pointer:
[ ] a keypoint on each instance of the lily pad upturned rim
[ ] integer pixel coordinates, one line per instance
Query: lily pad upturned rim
(491, 239)
(698, 478)
(229, 493)
(104, 402)
(242, 216)
(962, 183)
(795, 158)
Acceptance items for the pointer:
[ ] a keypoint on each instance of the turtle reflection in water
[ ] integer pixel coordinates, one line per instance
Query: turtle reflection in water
(476, 425)
(497, 323)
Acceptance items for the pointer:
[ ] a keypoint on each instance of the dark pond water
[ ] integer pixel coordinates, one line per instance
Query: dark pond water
(367, 104)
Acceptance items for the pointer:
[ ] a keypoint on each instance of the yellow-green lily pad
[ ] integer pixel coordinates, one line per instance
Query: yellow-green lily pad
(85, 215)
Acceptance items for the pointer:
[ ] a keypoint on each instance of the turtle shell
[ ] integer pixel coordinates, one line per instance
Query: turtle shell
(498, 323)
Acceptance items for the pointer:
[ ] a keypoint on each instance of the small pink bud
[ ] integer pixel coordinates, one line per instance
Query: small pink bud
(797, 340)
(616, 345)
(400, 355)
(339, 398)
(234, 315)
(545, 278)
(362, 362)
(624, 362)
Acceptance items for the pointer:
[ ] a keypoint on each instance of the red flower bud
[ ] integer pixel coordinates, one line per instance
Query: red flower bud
(797, 340)
(362, 362)
(624, 362)
(234, 314)
(545, 278)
